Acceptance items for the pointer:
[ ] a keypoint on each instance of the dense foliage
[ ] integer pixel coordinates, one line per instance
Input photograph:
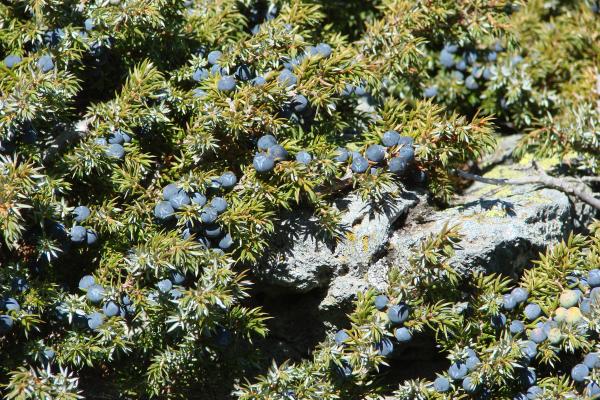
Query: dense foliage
(149, 147)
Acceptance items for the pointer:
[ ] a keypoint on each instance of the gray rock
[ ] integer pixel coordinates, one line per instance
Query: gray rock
(301, 259)
(503, 228)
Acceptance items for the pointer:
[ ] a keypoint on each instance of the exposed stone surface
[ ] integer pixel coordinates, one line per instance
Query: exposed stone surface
(301, 260)
(500, 233)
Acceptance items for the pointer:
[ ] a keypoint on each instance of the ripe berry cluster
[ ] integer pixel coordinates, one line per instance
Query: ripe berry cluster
(480, 65)
(204, 227)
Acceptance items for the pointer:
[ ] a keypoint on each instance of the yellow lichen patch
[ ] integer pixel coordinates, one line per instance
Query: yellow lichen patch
(544, 163)
(495, 212)
(365, 243)
(350, 236)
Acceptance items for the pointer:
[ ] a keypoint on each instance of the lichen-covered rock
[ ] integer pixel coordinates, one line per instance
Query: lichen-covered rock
(503, 227)
(302, 259)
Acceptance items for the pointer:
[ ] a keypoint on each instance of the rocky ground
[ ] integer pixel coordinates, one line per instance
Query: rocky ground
(309, 283)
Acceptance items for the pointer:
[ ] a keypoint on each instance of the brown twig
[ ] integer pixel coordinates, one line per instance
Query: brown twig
(580, 191)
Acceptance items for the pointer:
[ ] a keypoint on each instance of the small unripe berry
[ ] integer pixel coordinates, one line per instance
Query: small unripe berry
(569, 298)
(441, 384)
(359, 164)
(78, 234)
(341, 336)
(86, 281)
(303, 157)
(398, 313)
(263, 162)
(81, 213)
(560, 314)
(209, 215)
(573, 315)
(115, 151)
(299, 103)
(214, 56)
(277, 152)
(226, 84)
(532, 311)
(163, 210)
(580, 372)
(342, 155)
(375, 153)
(390, 138)
(403, 335)
(95, 293)
(555, 336)
(384, 347)
(164, 286)
(381, 302)
(458, 370)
